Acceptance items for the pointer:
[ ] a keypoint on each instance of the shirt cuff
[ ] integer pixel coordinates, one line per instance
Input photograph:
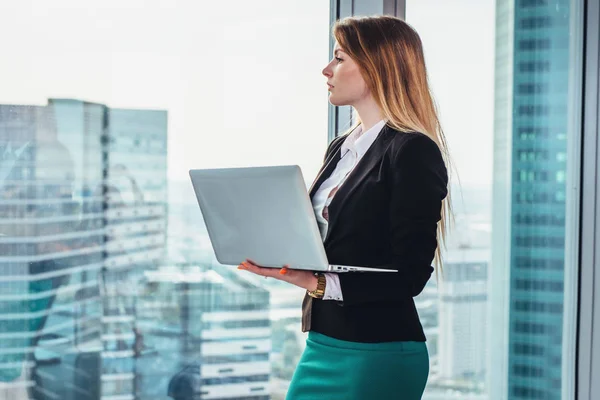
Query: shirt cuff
(333, 290)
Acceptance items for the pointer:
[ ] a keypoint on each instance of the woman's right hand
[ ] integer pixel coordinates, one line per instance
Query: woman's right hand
(301, 278)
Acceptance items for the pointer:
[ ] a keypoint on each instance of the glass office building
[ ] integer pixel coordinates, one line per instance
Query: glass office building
(540, 124)
(531, 128)
(83, 215)
(51, 243)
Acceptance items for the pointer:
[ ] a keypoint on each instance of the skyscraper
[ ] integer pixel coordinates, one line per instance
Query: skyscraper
(527, 274)
(47, 243)
(79, 217)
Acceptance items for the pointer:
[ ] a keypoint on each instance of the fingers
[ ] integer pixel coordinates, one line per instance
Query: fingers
(255, 269)
(300, 278)
(250, 266)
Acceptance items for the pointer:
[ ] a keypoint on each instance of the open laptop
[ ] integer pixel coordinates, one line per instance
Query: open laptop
(263, 214)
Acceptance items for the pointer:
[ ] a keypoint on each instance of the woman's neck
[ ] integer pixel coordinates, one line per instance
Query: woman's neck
(368, 113)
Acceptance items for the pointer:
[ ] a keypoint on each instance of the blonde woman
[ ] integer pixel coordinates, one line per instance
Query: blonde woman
(380, 201)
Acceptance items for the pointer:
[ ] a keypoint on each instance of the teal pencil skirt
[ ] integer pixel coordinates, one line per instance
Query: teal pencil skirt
(333, 369)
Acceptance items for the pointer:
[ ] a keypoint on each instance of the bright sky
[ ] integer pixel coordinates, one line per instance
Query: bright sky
(458, 38)
(241, 80)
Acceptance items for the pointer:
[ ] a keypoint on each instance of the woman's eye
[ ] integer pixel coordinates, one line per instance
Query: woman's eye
(339, 59)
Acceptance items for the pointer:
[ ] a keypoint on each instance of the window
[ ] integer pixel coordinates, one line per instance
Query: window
(533, 88)
(540, 110)
(521, 392)
(536, 22)
(538, 219)
(532, 176)
(534, 44)
(528, 371)
(532, 3)
(506, 114)
(539, 241)
(532, 155)
(531, 328)
(527, 284)
(534, 66)
(105, 256)
(103, 245)
(539, 307)
(528, 349)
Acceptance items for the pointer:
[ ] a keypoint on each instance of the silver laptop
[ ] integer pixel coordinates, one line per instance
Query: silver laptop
(263, 214)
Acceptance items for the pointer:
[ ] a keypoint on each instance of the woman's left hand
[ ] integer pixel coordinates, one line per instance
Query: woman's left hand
(301, 278)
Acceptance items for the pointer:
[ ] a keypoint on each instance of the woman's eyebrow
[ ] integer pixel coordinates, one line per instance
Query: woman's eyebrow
(336, 51)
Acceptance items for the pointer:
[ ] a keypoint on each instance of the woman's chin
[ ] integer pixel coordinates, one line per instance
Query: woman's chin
(335, 102)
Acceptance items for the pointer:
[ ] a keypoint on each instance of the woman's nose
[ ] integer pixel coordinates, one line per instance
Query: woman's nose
(327, 71)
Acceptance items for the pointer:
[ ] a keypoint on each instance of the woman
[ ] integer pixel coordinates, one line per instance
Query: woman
(365, 339)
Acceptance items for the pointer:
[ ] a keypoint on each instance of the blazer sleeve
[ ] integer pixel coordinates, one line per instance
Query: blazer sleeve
(419, 181)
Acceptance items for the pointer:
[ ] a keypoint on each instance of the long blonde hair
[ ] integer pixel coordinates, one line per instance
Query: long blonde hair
(389, 54)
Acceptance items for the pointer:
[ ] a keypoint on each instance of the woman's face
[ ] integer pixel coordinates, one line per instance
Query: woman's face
(346, 85)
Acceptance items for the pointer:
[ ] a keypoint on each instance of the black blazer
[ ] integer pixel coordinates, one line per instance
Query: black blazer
(384, 215)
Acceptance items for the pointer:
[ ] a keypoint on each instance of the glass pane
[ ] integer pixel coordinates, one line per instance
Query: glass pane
(108, 283)
(506, 77)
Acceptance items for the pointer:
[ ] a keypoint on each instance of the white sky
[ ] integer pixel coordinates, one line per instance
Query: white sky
(241, 80)
(459, 41)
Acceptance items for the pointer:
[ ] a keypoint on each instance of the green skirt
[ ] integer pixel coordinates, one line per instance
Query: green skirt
(333, 369)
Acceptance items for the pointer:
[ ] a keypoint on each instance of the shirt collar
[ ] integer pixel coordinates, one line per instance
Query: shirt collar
(360, 142)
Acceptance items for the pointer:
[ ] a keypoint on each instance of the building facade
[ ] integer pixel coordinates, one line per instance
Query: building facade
(207, 333)
(79, 221)
(531, 122)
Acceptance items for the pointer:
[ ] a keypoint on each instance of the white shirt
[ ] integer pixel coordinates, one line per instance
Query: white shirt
(353, 149)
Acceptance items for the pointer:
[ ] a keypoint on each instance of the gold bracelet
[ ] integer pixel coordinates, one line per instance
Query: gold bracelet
(319, 292)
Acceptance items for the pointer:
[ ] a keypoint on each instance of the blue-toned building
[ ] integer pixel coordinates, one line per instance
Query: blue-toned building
(207, 335)
(527, 271)
(82, 215)
(52, 248)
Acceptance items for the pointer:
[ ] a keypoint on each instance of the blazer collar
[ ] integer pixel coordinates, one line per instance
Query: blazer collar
(328, 165)
(369, 161)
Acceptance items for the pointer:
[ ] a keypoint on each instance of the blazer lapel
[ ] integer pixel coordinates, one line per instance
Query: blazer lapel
(369, 161)
(327, 168)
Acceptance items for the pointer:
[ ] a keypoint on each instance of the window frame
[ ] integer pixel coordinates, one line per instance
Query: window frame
(587, 356)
